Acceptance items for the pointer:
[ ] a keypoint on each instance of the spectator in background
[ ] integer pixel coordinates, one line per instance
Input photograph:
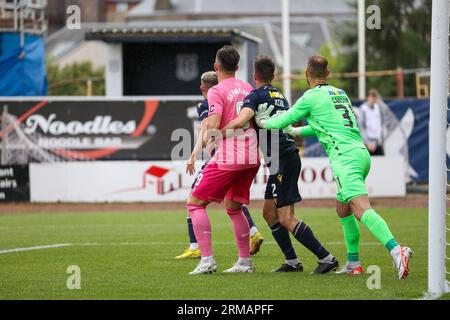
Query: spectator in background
(370, 121)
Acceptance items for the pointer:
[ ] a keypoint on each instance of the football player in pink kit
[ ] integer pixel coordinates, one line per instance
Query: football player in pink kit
(229, 174)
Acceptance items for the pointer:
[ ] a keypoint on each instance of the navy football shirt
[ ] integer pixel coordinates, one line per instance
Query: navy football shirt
(202, 110)
(272, 96)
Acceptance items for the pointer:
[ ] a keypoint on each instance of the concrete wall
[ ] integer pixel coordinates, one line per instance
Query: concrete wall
(93, 51)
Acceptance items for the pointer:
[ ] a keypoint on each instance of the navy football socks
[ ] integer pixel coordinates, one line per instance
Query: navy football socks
(248, 216)
(306, 237)
(281, 235)
(192, 238)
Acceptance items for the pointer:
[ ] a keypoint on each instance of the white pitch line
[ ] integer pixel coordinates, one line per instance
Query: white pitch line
(50, 246)
(148, 243)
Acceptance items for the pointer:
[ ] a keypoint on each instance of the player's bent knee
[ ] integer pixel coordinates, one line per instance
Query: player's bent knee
(288, 220)
(232, 205)
(270, 216)
(342, 209)
(285, 220)
(359, 213)
(193, 201)
(342, 213)
(359, 206)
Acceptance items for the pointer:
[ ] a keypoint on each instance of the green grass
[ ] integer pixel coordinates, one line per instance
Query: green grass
(129, 255)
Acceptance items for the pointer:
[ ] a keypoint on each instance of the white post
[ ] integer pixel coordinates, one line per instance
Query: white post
(286, 50)
(114, 71)
(5, 135)
(437, 151)
(362, 49)
(242, 72)
(22, 23)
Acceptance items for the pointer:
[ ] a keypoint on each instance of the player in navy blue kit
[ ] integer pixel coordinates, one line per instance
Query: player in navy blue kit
(208, 80)
(284, 170)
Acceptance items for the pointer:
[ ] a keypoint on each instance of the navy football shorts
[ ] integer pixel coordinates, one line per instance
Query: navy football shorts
(283, 185)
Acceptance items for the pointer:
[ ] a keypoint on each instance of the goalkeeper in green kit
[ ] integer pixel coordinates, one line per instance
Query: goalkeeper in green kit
(330, 117)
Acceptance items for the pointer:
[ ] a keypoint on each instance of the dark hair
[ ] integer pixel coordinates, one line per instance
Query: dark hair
(373, 93)
(318, 67)
(228, 58)
(265, 68)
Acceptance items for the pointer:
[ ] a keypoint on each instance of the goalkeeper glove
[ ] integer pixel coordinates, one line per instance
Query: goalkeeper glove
(293, 132)
(263, 113)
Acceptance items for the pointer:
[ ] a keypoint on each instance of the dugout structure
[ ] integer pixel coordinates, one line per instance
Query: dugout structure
(167, 61)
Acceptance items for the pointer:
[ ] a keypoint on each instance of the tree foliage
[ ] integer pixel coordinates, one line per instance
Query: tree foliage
(404, 40)
(71, 80)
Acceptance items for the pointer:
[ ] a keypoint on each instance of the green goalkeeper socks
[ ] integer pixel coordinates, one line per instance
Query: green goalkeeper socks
(351, 234)
(379, 228)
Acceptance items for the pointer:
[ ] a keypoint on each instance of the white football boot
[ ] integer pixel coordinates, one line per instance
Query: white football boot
(205, 267)
(239, 267)
(401, 262)
(352, 268)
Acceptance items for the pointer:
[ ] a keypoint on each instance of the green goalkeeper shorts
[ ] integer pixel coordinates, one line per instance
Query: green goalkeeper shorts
(350, 171)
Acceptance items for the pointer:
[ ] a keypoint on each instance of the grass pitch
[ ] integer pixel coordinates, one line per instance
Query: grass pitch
(129, 255)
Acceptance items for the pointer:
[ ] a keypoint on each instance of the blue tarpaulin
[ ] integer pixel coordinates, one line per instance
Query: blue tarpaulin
(22, 70)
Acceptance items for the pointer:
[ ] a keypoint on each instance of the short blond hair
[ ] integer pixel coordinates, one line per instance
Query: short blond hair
(209, 79)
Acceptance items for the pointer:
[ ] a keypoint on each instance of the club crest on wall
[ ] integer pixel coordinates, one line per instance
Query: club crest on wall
(186, 67)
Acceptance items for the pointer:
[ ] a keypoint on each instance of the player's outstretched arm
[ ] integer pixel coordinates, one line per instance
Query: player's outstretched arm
(212, 128)
(245, 115)
(305, 131)
(214, 115)
(296, 113)
(190, 165)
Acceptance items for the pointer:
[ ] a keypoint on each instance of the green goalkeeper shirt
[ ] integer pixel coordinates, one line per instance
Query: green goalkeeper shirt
(329, 113)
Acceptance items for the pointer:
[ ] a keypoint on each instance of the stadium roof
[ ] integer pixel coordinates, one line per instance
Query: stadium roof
(122, 1)
(130, 33)
(243, 8)
(308, 34)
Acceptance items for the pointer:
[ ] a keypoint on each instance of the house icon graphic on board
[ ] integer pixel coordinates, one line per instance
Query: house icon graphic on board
(164, 180)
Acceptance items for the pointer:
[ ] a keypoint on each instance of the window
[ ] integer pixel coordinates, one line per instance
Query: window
(122, 7)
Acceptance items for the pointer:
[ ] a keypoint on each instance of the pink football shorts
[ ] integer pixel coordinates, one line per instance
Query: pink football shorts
(214, 184)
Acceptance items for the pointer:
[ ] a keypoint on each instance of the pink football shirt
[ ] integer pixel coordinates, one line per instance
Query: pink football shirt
(226, 99)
